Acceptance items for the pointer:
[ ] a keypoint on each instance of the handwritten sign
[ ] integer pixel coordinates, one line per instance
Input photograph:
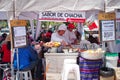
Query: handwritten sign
(18, 29)
(106, 16)
(20, 41)
(108, 30)
(107, 26)
(18, 23)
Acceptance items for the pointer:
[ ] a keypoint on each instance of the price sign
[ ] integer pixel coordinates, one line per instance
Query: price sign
(18, 29)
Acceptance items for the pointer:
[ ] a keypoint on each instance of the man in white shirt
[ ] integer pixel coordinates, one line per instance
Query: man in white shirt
(70, 34)
(58, 35)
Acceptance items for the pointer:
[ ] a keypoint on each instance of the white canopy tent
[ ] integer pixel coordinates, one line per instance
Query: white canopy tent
(20, 6)
(6, 5)
(6, 9)
(26, 6)
(58, 5)
(29, 9)
(111, 5)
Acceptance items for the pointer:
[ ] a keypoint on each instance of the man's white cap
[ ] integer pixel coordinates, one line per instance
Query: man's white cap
(62, 27)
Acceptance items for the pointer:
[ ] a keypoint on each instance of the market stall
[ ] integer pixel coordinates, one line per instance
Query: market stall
(61, 13)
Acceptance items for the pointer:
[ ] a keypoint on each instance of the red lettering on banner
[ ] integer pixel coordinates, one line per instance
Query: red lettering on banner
(75, 20)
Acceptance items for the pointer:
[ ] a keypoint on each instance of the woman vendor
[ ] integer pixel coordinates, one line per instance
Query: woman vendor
(58, 36)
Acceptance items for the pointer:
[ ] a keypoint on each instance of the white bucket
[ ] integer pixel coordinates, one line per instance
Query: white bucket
(111, 61)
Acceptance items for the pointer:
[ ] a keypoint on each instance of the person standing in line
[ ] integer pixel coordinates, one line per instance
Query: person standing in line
(5, 53)
(28, 59)
(2, 38)
(6, 50)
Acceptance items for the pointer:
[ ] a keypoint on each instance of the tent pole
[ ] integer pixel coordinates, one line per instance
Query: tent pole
(32, 27)
(14, 9)
(38, 28)
(12, 53)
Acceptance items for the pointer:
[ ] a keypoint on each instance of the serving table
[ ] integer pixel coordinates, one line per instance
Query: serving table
(54, 64)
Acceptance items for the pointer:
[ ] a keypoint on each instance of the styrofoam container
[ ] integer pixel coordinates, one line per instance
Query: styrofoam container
(92, 56)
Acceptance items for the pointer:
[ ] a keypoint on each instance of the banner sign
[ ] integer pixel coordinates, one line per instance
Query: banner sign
(62, 16)
(18, 29)
(75, 20)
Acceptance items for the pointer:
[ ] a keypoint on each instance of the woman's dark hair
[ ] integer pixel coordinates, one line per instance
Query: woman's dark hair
(4, 35)
(9, 45)
(40, 37)
(92, 39)
(78, 35)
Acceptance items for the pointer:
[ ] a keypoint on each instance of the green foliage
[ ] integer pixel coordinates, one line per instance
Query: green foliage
(47, 24)
(3, 24)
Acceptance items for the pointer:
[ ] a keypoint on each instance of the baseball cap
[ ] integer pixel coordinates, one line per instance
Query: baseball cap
(71, 26)
(48, 34)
